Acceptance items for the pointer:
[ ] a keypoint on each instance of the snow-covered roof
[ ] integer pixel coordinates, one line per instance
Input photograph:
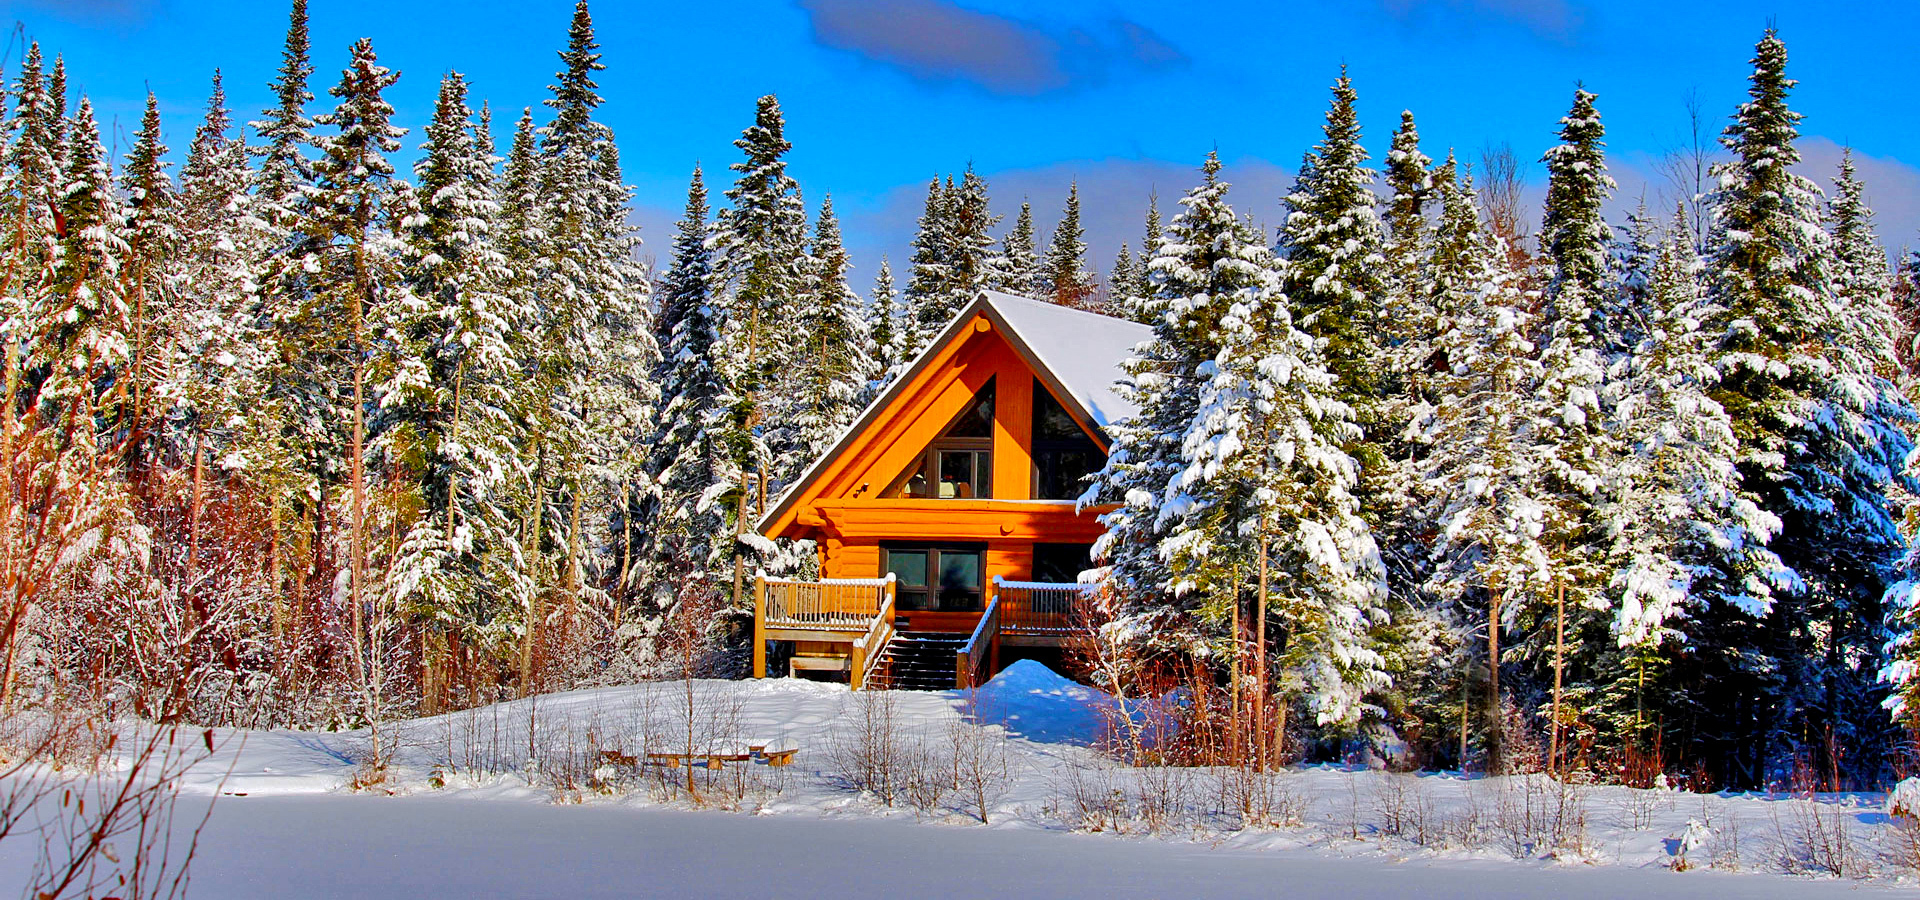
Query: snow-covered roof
(1084, 351)
(1080, 355)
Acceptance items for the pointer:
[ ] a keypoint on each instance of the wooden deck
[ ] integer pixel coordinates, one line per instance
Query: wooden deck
(845, 624)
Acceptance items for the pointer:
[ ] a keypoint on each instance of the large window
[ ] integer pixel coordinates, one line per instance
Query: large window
(1063, 454)
(958, 465)
(1061, 563)
(938, 577)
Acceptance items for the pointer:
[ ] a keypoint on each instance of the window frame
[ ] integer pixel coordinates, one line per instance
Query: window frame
(935, 551)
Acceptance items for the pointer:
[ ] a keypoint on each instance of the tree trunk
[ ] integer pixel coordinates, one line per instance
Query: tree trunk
(1260, 659)
(1559, 670)
(1496, 732)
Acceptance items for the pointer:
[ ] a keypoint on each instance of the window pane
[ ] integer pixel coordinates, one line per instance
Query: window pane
(1050, 420)
(1061, 563)
(909, 567)
(956, 473)
(977, 421)
(959, 571)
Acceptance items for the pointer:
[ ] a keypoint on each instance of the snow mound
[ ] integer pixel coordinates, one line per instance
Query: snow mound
(1041, 705)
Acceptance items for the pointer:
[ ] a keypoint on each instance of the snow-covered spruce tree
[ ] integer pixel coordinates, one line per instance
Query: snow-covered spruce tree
(1204, 258)
(350, 255)
(1627, 309)
(1131, 299)
(285, 170)
(978, 262)
(883, 324)
(1819, 445)
(150, 279)
(1862, 281)
(1022, 272)
(1122, 280)
(1336, 278)
(682, 515)
(451, 401)
(219, 352)
(1483, 472)
(762, 267)
(1263, 514)
(33, 187)
(1409, 181)
(1576, 449)
(832, 367)
(79, 325)
(1681, 536)
(593, 353)
(1063, 273)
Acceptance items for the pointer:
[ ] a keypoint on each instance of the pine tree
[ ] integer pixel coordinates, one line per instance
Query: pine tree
(1682, 537)
(1267, 489)
(352, 254)
(80, 329)
(1122, 280)
(451, 403)
(1483, 470)
(593, 352)
(1022, 275)
(1206, 257)
(930, 296)
(762, 264)
(884, 323)
(1576, 449)
(1410, 183)
(1862, 281)
(833, 369)
(1817, 442)
(285, 172)
(151, 276)
(35, 185)
(1335, 253)
(1063, 273)
(684, 511)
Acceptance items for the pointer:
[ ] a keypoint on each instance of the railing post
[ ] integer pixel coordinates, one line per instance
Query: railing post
(759, 625)
(859, 673)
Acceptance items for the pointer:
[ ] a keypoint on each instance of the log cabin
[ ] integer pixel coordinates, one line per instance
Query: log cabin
(945, 517)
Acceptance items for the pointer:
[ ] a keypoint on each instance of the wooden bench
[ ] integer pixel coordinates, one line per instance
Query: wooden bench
(819, 662)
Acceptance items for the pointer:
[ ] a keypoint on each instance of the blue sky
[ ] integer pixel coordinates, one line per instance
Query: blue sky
(1126, 97)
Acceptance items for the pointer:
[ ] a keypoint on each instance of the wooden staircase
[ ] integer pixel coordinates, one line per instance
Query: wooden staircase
(917, 661)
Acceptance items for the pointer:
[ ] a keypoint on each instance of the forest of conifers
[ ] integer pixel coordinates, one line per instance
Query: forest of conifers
(292, 438)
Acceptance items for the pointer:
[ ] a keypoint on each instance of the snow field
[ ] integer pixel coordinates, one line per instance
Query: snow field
(1015, 754)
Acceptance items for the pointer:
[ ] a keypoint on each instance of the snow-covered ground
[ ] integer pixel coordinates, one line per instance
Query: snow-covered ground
(530, 799)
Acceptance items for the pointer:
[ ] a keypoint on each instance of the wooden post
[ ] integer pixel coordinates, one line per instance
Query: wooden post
(859, 664)
(759, 625)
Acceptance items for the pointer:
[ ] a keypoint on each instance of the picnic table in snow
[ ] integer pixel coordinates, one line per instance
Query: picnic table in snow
(718, 758)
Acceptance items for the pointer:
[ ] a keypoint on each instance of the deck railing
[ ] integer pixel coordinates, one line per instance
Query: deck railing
(1037, 608)
(868, 649)
(973, 663)
(830, 604)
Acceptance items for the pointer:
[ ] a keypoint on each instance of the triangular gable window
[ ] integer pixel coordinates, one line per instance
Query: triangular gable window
(958, 465)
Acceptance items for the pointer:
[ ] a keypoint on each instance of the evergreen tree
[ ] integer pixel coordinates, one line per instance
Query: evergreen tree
(151, 276)
(884, 323)
(451, 403)
(684, 510)
(1122, 280)
(762, 264)
(1576, 450)
(350, 256)
(80, 329)
(1264, 506)
(1682, 537)
(1063, 273)
(35, 185)
(1410, 183)
(834, 368)
(1204, 260)
(1482, 472)
(285, 172)
(1335, 252)
(1818, 444)
(593, 353)
(1022, 274)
